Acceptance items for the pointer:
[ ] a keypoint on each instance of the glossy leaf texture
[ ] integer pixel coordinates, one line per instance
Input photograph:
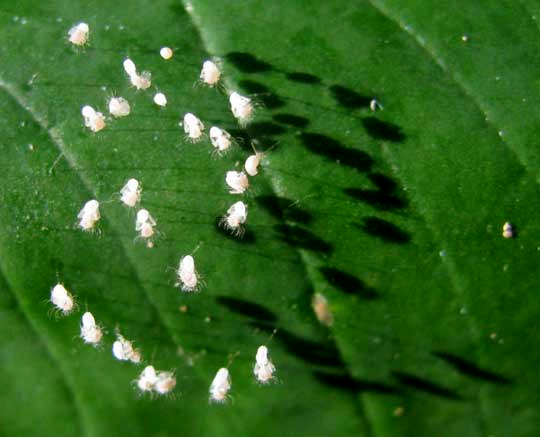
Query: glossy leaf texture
(398, 138)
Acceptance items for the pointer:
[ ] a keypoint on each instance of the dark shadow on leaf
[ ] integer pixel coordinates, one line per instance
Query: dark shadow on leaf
(262, 93)
(284, 209)
(306, 78)
(349, 98)
(291, 120)
(248, 236)
(384, 230)
(383, 130)
(470, 369)
(383, 182)
(348, 383)
(248, 63)
(377, 199)
(265, 128)
(248, 309)
(348, 283)
(302, 238)
(335, 151)
(425, 385)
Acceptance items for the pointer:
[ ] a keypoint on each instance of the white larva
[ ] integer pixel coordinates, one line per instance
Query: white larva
(187, 274)
(123, 350)
(91, 333)
(322, 309)
(241, 107)
(235, 218)
(374, 105)
(508, 230)
(119, 107)
(130, 194)
(147, 379)
(160, 99)
(89, 215)
(165, 382)
(237, 181)
(221, 139)
(166, 53)
(220, 386)
(140, 81)
(79, 34)
(210, 73)
(144, 224)
(193, 127)
(129, 67)
(252, 163)
(62, 299)
(93, 120)
(264, 368)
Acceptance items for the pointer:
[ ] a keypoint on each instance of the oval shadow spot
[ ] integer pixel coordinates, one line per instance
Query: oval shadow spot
(262, 93)
(349, 98)
(248, 63)
(348, 283)
(345, 382)
(377, 199)
(383, 182)
(336, 152)
(300, 237)
(247, 238)
(385, 230)
(383, 130)
(265, 128)
(306, 78)
(248, 309)
(291, 120)
(425, 385)
(284, 209)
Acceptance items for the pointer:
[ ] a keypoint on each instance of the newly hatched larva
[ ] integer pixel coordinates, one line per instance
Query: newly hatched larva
(62, 299)
(119, 107)
(160, 99)
(210, 73)
(252, 163)
(166, 53)
(187, 274)
(193, 127)
(237, 181)
(93, 120)
(123, 350)
(129, 67)
(78, 34)
(130, 194)
(322, 309)
(220, 386)
(264, 368)
(508, 230)
(165, 383)
(144, 224)
(221, 139)
(241, 107)
(235, 218)
(89, 215)
(147, 379)
(140, 81)
(91, 333)
(375, 105)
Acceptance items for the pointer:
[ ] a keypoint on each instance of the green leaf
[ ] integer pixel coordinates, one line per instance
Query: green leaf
(395, 216)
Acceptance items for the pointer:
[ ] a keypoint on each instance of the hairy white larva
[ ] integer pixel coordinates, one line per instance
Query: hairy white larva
(237, 181)
(264, 368)
(508, 230)
(210, 73)
(165, 383)
(160, 99)
(221, 139)
(89, 215)
(119, 107)
(93, 120)
(147, 379)
(91, 333)
(140, 81)
(252, 163)
(79, 34)
(130, 194)
(123, 350)
(144, 224)
(166, 53)
(221, 384)
(235, 218)
(193, 127)
(62, 299)
(241, 107)
(187, 274)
